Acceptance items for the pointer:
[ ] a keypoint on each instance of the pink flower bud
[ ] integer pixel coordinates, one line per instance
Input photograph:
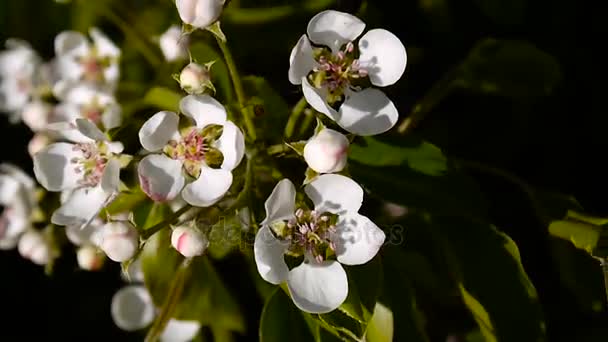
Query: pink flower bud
(199, 13)
(326, 152)
(34, 247)
(119, 240)
(194, 78)
(189, 241)
(89, 259)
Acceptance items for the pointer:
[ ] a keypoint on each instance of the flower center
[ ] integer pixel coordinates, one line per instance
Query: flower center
(197, 147)
(336, 72)
(92, 111)
(93, 67)
(91, 165)
(309, 233)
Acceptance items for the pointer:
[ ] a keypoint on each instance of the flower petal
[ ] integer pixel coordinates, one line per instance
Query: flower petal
(383, 56)
(90, 130)
(268, 252)
(53, 167)
(71, 43)
(281, 203)
(110, 179)
(367, 112)
(180, 331)
(357, 239)
(318, 287)
(105, 47)
(301, 60)
(160, 177)
(334, 29)
(232, 145)
(132, 308)
(316, 99)
(158, 130)
(209, 188)
(111, 117)
(335, 194)
(204, 109)
(81, 207)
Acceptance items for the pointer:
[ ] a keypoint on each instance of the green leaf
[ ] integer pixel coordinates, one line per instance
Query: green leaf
(126, 201)
(492, 280)
(380, 328)
(272, 110)
(420, 156)
(282, 321)
(597, 221)
(583, 235)
(204, 297)
(163, 98)
(224, 236)
(511, 68)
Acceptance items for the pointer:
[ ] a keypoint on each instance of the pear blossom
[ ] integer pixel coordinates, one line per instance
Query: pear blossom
(87, 170)
(173, 44)
(78, 59)
(329, 235)
(16, 204)
(327, 151)
(34, 246)
(199, 13)
(119, 240)
(89, 258)
(19, 76)
(133, 309)
(206, 152)
(188, 241)
(333, 65)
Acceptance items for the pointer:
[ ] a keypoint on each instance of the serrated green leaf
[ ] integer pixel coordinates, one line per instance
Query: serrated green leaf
(419, 156)
(282, 321)
(163, 99)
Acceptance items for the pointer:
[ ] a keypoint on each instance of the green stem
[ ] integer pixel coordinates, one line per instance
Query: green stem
(309, 117)
(133, 36)
(433, 97)
(238, 88)
(277, 149)
(170, 304)
(295, 115)
(243, 196)
(157, 227)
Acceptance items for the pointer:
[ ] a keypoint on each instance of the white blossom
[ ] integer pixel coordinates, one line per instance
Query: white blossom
(19, 76)
(173, 44)
(34, 246)
(17, 202)
(199, 13)
(88, 169)
(317, 285)
(327, 151)
(332, 63)
(206, 152)
(119, 240)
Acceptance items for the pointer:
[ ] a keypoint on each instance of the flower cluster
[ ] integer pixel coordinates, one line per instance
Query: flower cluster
(193, 156)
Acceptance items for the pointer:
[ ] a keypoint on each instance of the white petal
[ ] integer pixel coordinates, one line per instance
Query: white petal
(90, 130)
(81, 207)
(232, 146)
(383, 56)
(110, 180)
(53, 168)
(111, 117)
(268, 253)
(334, 29)
(335, 194)
(367, 112)
(357, 239)
(65, 112)
(132, 308)
(71, 43)
(160, 177)
(318, 288)
(105, 47)
(316, 99)
(9, 187)
(173, 45)
(90, 234)
(281, 203)
(209, 188)
(158, 130)
(204, 109)
(301, 60)
(111, 74)
(80, 93)
(180, 331)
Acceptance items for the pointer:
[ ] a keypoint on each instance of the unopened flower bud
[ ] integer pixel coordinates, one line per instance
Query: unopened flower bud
(132, 308)
(194, 79)
(37, 143)
(199, 13)
(173, 45)
(190, 242)
(34, 247)
(119, 240)
(89, 259)
(35, 115)
(326, 152)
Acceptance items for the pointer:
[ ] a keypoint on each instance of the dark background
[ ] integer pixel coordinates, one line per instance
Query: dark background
(554, 142)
